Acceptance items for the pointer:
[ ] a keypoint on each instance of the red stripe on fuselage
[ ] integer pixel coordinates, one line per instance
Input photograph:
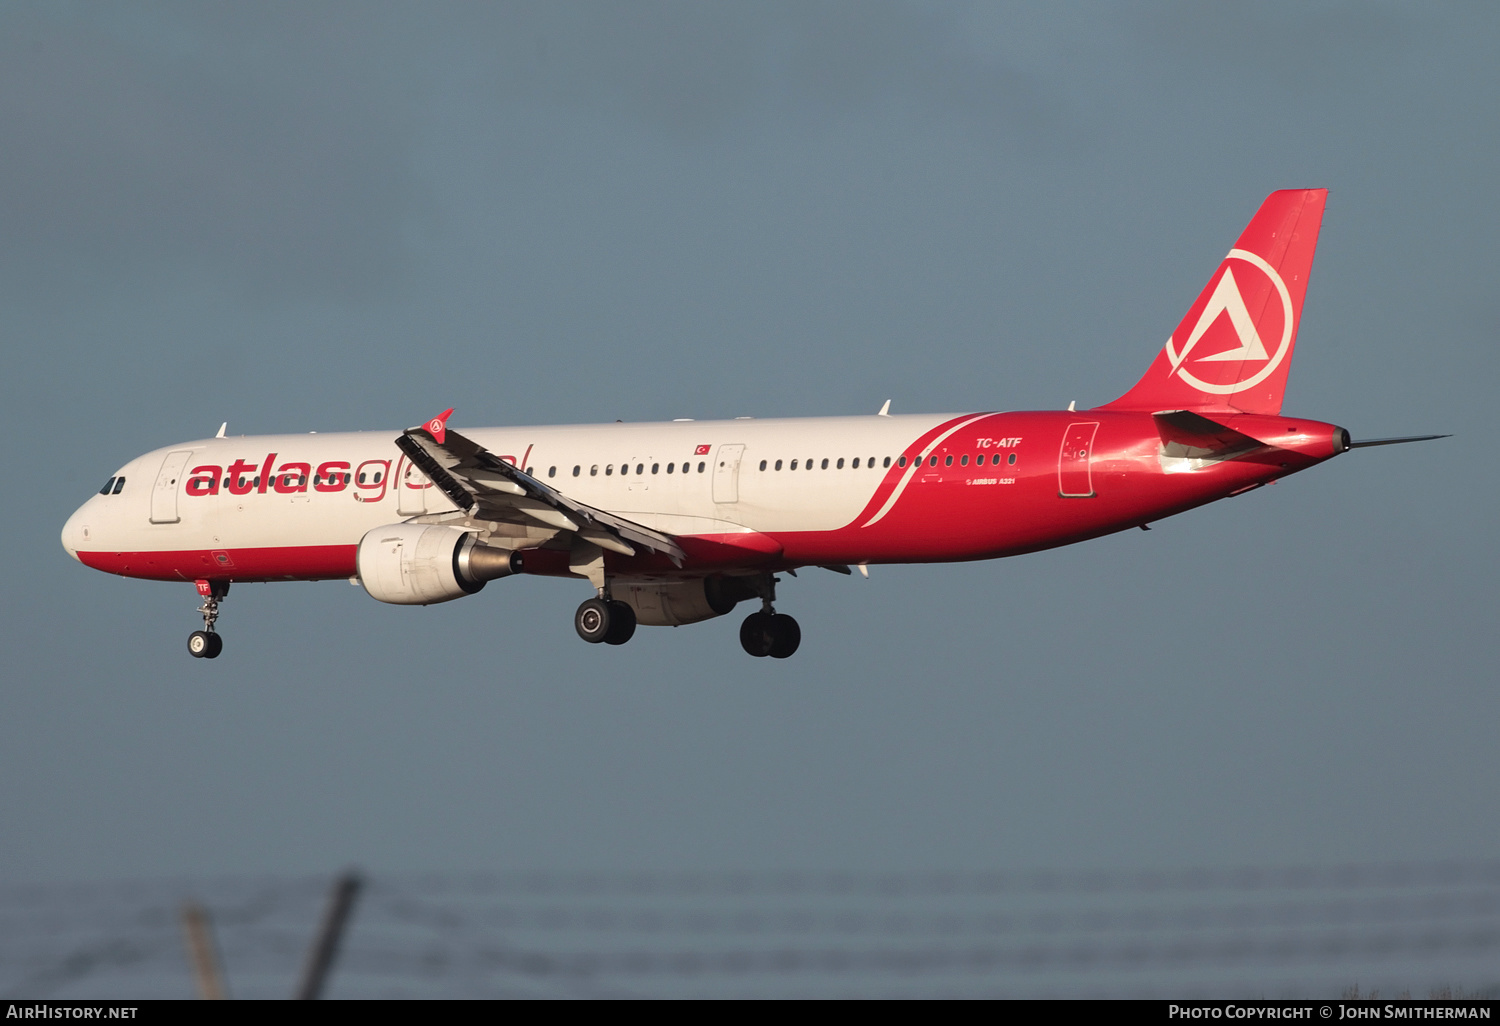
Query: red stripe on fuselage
(897, 473)
(271, 563)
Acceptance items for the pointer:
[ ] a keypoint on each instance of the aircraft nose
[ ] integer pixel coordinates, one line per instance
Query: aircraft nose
(75, 533)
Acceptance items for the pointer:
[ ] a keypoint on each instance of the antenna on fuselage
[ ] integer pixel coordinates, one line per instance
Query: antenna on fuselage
(222, 428)
(885, 411)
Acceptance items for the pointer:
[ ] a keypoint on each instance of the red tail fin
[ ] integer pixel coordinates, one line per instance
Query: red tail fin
(1233, 349)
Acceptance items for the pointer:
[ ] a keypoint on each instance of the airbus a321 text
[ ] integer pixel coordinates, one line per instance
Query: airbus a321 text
(680, 522)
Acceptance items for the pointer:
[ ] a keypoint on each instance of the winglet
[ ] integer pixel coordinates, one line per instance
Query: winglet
(437, 427)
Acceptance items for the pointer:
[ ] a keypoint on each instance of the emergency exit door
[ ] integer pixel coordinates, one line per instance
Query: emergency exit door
(1074, 479)
(412, 490)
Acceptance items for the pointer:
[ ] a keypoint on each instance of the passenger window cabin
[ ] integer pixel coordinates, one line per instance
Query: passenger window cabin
(854, 463)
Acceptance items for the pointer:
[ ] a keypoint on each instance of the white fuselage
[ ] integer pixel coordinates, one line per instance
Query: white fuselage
(277, 492)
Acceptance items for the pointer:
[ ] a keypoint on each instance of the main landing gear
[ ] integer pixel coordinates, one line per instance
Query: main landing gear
(769, 633)
(207, 644)
(764, 633)
(604, 620)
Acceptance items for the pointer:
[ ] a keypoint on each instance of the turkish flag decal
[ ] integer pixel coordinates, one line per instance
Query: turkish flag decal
(702, 450)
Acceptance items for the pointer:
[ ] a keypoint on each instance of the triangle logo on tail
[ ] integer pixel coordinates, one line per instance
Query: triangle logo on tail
(1228, 299)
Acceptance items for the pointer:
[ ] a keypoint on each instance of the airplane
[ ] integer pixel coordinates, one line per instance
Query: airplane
(676, 523)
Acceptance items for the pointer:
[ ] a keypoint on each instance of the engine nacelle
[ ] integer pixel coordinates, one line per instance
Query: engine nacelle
(419, 564)
(675, 603)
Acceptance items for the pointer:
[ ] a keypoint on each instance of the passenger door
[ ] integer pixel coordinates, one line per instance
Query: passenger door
(164, 492)
(1074, 480)
(727, 473)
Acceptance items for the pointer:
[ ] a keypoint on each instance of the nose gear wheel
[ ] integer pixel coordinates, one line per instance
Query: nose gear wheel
(207, 644)
(203, 645)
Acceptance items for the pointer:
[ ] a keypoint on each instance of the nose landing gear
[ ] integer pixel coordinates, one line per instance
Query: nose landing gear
(206, 644)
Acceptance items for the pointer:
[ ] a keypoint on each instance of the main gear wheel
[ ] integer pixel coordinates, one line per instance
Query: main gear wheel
(770, 634)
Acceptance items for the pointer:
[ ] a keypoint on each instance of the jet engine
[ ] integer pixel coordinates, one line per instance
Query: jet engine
(419, 564)
(674, 603)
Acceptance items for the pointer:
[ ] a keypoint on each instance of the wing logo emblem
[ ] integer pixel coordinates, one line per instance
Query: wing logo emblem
(1228, 299)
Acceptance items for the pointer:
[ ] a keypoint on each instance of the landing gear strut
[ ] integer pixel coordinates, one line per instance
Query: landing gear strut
(206, 644)
(767, 632)
(604, 620)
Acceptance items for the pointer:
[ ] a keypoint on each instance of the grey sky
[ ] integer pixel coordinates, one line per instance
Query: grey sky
(352, 216)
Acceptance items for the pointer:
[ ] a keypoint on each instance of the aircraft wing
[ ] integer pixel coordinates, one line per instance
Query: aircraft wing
(479, 481)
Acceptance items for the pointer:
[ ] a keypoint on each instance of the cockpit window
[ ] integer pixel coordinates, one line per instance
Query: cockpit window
(107, 486)
(119, 484)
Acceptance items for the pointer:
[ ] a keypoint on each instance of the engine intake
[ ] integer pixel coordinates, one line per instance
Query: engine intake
(420, 564)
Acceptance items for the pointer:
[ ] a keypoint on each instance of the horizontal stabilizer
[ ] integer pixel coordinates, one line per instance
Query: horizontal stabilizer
(1367, 442)
(1192, 435)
